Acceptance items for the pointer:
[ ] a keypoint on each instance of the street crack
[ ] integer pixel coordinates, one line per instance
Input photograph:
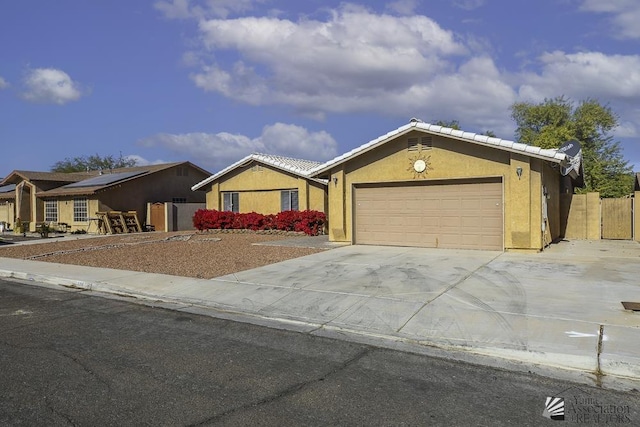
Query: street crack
(291, 390)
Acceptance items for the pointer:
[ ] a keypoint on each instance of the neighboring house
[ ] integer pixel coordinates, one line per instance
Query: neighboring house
(26, 206)
(7, 205)
(429, 186)
(265, 184)
(636, 186)
(74, 198)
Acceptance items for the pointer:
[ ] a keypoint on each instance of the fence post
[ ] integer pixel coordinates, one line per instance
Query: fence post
(636, 217)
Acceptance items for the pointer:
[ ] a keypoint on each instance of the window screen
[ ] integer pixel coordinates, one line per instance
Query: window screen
(230, 202)
(80, 210)
(51, 210)
(289, 200)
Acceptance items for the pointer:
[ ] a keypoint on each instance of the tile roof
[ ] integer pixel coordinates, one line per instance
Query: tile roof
(415, 124)
(298, 167)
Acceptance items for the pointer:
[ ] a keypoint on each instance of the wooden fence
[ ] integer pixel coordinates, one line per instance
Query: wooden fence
(591, 218)
(617, 218)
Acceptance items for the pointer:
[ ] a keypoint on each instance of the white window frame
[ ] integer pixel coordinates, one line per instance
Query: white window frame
(289, 200)
(231, 201)
(80, 209)
(51, 210)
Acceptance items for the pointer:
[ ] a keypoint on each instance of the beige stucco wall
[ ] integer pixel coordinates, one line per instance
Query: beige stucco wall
(7, 209)
(259, 190)
(65, 214)
(448, 159)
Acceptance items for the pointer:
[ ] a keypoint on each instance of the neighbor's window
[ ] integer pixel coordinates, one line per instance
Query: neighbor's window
(230, 202)
(51, 210)
(289, 200)
(80, 209)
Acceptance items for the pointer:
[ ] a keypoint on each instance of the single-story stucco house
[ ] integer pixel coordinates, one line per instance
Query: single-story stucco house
(430, 186)
(265, 184)
(74, 198)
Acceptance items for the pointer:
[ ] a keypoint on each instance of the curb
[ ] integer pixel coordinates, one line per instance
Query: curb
(601, 370)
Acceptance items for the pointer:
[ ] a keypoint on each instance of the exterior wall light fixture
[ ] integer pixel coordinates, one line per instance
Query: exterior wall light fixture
(335, 180)
(519, 172)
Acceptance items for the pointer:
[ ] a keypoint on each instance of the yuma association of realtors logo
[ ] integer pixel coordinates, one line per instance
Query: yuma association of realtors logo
(584, 409)
(554, 408)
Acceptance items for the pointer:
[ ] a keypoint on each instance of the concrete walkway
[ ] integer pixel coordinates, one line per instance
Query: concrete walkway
(559, 311)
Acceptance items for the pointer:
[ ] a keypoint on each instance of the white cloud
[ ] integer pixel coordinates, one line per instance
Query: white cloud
(219, 150)
(3, 83)
(141, 161)
(584, 75)
(49, 85)
(403, 7)
(626, 130)
(408, 67)
(183, 9)
(469, 4)
(340, 65)
(625, 15)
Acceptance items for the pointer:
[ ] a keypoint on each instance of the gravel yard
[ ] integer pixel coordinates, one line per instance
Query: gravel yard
(202, 255)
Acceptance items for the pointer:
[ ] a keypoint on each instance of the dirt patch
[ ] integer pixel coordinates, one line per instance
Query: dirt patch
(179, 254)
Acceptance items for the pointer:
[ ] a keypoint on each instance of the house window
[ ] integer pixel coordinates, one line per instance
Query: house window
(51, 210)
(179, 200)
(230, 202)
(416, 144)
(80, 209)
(289, 200)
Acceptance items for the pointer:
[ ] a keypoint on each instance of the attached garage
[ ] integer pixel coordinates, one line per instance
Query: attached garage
(425, 185)
(457, 214)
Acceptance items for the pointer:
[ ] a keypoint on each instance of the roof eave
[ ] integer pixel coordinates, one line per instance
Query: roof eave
(559, 158)
(245, 161)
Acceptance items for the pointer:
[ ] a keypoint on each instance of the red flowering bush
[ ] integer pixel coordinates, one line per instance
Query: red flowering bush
(309, 222)
(205, 219)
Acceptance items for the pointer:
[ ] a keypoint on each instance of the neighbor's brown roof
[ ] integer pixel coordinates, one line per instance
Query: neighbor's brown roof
(18, 176)
(87, 191)
(8, 192)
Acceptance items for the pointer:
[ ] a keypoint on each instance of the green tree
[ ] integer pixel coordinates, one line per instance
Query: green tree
(555, 121)
(93, 162)
(453, 124)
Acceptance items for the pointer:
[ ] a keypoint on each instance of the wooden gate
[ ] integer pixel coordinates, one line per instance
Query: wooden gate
(617, 218)
(157, 216)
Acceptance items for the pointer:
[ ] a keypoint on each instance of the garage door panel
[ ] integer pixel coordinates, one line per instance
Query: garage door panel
(452, 215)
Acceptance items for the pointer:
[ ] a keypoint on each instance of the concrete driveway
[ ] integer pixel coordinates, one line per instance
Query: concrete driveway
(561, 307)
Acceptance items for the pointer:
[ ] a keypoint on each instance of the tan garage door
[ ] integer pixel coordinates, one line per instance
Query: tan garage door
(453, 214)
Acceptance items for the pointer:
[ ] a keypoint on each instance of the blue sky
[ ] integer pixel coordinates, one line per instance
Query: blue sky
(211, 81)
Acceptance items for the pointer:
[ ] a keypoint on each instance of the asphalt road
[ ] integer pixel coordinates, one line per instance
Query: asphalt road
(69, 358)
